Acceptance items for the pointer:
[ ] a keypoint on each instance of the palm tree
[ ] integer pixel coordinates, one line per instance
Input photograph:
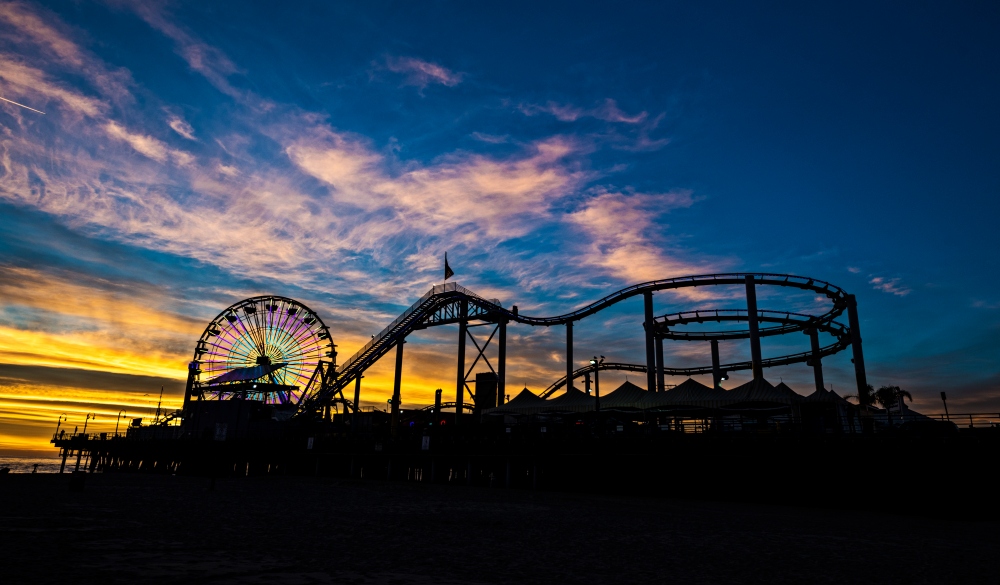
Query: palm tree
(889, 396)
(866, 398)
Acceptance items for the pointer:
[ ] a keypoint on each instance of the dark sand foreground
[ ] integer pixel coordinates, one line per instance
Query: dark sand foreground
(157, 529)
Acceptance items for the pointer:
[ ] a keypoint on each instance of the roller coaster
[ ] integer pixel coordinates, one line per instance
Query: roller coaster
(265, 346)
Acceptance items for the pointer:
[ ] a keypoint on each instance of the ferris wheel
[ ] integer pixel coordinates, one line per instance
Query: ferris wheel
(265, 348)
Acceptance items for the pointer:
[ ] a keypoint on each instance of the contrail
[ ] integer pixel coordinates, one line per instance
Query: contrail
(22, 105)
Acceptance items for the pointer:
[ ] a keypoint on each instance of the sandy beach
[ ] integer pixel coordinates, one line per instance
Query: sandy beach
(160, 529)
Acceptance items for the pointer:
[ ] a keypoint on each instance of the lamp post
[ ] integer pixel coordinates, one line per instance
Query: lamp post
(120, 413)
(90, 415)
(597, 384)
(59, 421)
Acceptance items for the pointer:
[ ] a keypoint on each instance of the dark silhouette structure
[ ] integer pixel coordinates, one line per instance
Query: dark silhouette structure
(452, 304)
(259, 414)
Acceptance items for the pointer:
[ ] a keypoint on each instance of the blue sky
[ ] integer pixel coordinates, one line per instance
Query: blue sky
(193, 155)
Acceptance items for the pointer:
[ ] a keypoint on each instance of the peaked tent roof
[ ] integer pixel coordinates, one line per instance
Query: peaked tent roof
(524, 399)
(760, 390)
(826, 396)
(628, 395)
(572, 400)
(687, 393)
(792, 394)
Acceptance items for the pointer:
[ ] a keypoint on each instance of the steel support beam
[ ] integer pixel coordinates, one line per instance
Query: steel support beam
(755, 358)
(569, 356)
(650, 343)
(716, 370)
(357, 404)
(661, 383)
(859, 358)
(189, 387)
(460, 385)
(395, 387)
(502, 363)
(816, 360)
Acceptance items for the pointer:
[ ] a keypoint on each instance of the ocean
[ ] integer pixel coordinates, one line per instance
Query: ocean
(27, 464)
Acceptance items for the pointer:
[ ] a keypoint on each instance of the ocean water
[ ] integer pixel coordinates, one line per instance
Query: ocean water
(27, 464)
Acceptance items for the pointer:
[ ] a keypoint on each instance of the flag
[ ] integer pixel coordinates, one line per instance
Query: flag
(448, 272)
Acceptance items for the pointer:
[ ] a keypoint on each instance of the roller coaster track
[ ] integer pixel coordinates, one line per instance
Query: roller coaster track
(451, 303)
(840, 344)
(787, 323)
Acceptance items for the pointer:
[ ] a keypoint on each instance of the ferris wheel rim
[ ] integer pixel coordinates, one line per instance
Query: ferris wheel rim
(265, 329)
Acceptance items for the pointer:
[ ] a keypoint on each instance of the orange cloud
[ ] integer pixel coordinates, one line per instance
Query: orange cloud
(620, 227)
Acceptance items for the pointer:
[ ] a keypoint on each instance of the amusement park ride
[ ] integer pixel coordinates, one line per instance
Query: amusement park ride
(267, 395)
(279, 352)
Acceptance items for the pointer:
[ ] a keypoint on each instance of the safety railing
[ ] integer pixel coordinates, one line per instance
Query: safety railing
(968, 420)
(63, 436)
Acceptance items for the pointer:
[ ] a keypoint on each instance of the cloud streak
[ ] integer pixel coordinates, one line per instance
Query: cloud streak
(892, 286)
(607, 111)
(422, 73)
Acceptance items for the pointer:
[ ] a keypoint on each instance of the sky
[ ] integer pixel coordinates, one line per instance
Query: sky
(192, 154)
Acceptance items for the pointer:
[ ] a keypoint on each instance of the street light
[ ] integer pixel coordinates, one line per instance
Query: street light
(597, 385)
(120, 413)
(90, 415)
(59, 421)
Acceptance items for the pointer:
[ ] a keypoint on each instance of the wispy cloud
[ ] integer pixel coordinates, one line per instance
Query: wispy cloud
(213, 64)
(892, 286)
(148, 146)
(490, 138)
(607, 111)
(422, 73)
(178, 125)
(26, 82)
(624, 234)
(630, 132)
(494, 197)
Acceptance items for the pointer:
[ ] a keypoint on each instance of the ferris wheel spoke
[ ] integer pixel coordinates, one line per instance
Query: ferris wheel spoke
(260, 319)
(249, 325)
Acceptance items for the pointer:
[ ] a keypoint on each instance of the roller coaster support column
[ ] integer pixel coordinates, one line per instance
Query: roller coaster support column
(357, 404)
(189, 388)
(859, 358)
(502, 363)
(816, 362)
(650, 343)
(395, 388)
(569, 356)
(716, 370)
(758, 370)
(660, 382)
(460, 386)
